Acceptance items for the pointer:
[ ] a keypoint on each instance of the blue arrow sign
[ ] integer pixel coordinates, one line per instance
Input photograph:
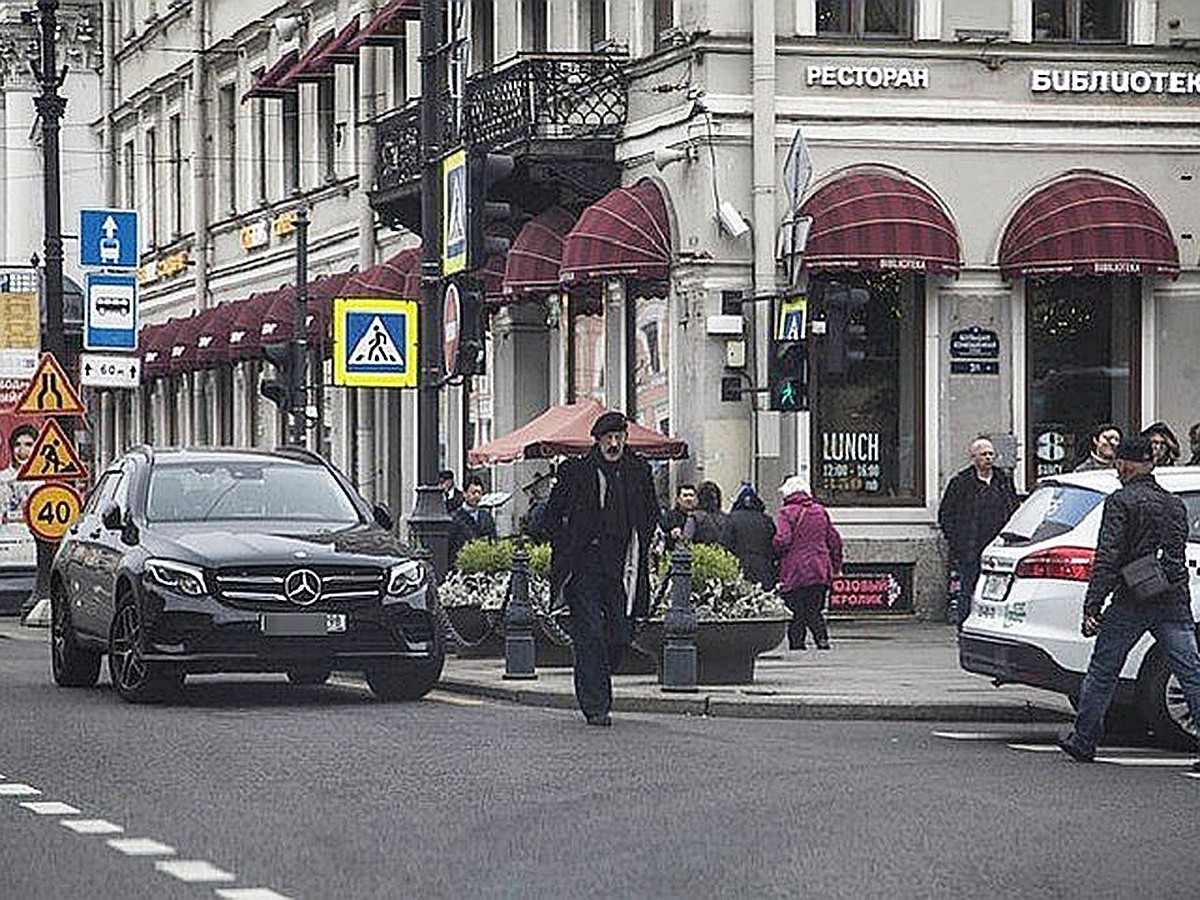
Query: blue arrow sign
(110, 319)
(108, 238)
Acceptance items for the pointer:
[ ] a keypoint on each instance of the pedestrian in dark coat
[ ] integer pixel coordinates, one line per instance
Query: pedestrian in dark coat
(810, 555)
(603, 512)
(1163, 442)
(752, 532)
(707, 523)
(1140, 520)
(470, 521)
(1194, 443)
(976, 504)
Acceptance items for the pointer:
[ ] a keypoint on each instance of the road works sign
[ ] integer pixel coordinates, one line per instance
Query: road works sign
(49, 391)
(108, 238)
(375, 342)
(51, 509)
(53, 457)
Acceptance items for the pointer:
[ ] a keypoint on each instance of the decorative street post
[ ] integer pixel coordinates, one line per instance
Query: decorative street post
(679, 626)
(518, 620)
(299, 367)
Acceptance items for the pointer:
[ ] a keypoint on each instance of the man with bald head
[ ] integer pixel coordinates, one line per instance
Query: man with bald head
(977, 503)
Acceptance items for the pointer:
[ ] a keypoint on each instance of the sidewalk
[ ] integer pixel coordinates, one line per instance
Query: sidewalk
(883, 670)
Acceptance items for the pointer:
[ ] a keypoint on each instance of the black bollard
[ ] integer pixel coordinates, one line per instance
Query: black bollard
(679, 626)
(518, 620)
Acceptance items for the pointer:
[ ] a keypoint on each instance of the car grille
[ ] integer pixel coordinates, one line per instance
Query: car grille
(262, 587)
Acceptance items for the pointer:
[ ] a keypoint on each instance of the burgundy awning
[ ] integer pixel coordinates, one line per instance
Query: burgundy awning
(275, 325)
(337, 52)
(624, 234)
(268, 85)
(879, 221)
(244, 330)
(148, 346)
(535, 256)
(397, 277)
(157, 347)
(320, 304)
(388, 24)
(1087, 223)
(212, 341)
(492, 276)
(299, 72)
(183, 352)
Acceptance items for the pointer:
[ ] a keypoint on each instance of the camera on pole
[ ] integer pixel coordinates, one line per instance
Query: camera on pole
(487, 205)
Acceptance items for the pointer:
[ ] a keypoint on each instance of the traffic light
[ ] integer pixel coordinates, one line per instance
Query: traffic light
(471, 358)
(280, 390)
(487, 206)
(787, 376)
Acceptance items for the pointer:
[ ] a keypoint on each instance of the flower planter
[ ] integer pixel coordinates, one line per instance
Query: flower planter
(725, 649)
(475, 626)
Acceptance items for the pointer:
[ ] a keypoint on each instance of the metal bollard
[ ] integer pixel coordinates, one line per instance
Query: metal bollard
(518, 620)
(679, 626)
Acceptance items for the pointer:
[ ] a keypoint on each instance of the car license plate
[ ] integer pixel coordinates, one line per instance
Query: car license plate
(994, 587)
(301, 624)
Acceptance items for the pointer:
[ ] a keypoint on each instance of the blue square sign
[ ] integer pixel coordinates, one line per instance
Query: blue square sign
(108, 238)
(111, 312)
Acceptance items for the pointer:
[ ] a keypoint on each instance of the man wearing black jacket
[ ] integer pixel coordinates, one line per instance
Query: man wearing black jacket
(602, 514)
(1140, 519)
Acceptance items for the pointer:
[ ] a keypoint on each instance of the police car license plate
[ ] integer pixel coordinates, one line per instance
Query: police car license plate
(301, 624)
(995, 586)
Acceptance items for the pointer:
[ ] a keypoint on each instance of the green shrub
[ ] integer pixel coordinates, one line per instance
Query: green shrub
(488, 556)
(539, 560)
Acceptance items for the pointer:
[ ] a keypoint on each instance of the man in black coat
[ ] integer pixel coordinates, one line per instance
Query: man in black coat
(977, 503)
(470, 520)
(1141, 519)
(602, 515)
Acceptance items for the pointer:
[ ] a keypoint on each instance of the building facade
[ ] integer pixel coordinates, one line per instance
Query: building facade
(998, 221)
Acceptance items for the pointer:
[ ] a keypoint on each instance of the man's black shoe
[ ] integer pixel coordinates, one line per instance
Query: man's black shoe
(1065, 745)
(604, 721)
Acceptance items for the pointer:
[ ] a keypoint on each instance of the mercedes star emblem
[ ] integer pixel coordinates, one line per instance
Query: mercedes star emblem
(303, 587)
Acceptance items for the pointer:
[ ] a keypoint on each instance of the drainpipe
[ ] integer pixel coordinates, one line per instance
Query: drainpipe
(763, 144)
(200, 130)
(362, 452)
(108, 103)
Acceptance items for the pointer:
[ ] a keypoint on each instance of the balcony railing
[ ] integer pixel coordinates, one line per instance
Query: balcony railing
(542, 97)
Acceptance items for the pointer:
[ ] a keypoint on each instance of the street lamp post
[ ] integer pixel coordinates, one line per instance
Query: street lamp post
(299, 367)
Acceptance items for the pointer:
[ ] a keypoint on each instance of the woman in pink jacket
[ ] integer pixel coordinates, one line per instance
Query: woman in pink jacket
(810, 554)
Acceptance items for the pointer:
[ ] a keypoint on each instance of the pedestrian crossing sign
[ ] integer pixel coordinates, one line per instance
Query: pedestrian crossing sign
(375, 342)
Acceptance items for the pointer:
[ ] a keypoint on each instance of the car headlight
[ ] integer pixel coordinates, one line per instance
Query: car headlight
(176, 576)
(405, 577)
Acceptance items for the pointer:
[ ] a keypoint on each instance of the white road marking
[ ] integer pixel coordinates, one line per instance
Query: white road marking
(51, 808)
(1036, 748)
(249, 894)
(971, 735)
(18, 790)
(141, 847)
(1191, 774)
(453, 699)
(91, 826)
(1162, 762)
(194, 870)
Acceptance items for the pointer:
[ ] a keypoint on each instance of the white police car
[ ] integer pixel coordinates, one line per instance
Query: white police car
(1028, 603)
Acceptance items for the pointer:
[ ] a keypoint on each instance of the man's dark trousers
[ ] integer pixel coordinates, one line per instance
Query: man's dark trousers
(600, 632)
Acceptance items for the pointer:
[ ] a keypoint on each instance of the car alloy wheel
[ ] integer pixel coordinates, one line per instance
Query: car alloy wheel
(135, 679)
(1164, 705)
(72, 665)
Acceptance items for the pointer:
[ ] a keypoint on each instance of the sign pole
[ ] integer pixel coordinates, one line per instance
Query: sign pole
(299, 370)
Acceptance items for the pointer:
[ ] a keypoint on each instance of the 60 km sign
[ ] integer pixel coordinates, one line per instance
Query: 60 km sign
(51, 510)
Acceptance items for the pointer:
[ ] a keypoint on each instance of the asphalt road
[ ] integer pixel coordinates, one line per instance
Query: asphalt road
(326, 793)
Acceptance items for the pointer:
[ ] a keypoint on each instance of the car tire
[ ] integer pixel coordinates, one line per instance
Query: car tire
(135, 680)
(72, 665)
(309, 675)
(406, 680)
(1163, 706)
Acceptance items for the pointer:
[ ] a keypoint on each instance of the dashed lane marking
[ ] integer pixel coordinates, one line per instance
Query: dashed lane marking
(91, 826)
(249, 894)
(51, 808)
(141, 847)
(194, 870)
(1165, 762)
(18, 790)
(1035, 748)
(979, 735)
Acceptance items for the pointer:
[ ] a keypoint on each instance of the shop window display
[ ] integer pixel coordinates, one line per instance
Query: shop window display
(867, 388)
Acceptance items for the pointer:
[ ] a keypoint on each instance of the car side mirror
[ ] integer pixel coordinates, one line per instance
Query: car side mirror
(383, 516)
(111, 517)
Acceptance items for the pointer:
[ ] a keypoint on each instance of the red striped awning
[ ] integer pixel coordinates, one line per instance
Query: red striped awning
(388, 24)
(212, 340)
(1087, 223)
(299, 71)
(157, 343)
(184, 351)
(532, 267)
(267, 86)
(624, 234)
(397, 277)
(875, 220)
(245, 337)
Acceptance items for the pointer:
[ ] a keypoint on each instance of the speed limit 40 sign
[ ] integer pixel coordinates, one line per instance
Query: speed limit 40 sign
(51, 510)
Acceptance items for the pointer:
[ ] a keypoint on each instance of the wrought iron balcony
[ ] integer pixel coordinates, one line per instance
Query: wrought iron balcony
(530, 100)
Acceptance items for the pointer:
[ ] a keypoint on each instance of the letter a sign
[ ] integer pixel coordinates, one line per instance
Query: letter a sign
(50, 391)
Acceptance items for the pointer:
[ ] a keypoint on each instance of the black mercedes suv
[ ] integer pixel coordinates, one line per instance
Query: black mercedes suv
(217, 560)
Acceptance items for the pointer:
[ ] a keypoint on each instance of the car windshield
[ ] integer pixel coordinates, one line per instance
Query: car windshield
(1051, 510)
(247, 490)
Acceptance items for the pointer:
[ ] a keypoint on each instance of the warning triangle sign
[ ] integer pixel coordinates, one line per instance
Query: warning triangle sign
(53, 457)
(376, 347)
(49, 391)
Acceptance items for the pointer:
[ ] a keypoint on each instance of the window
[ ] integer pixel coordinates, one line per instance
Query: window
(597, 24)
(130, 175)
(1080, 334)
(326, 130)
(865, 18)
(866, 388)
(291, 143)
(1083, 21)
(259, 113)
(483, 27)
(662, 22)
(152, 185)
(651, 378)
(534, 26)
(228, 148)
(175, 149)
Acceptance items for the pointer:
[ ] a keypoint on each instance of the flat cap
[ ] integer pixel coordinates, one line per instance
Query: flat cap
(610, 421)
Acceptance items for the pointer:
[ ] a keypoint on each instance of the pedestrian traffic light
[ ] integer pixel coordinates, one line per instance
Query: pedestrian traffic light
(488, 205)
(280, 390)
(471, 358)
(787, 376)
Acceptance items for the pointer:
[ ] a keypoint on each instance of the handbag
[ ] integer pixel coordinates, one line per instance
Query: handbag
(1145, 578)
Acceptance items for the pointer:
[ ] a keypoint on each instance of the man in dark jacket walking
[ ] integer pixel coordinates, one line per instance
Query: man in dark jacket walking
(603, 514)
(1140, 519)
(977, 503)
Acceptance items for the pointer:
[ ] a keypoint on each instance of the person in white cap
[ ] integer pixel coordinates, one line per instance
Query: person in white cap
(810, 551)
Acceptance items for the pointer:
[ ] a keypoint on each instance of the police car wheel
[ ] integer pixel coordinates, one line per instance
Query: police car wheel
(1163, 705)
